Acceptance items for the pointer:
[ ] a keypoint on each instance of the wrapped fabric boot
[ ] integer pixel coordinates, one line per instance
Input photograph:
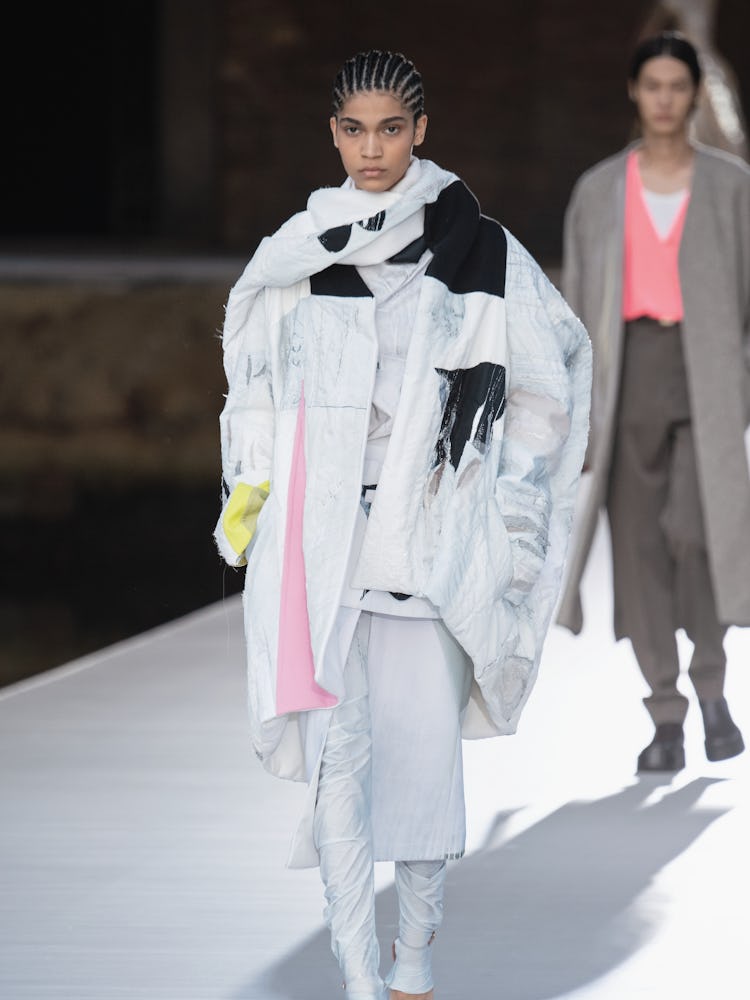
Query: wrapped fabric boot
(420, 887)
(342, 832)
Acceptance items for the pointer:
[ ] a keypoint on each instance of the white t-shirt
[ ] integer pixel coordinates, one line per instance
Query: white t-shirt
(663, 209)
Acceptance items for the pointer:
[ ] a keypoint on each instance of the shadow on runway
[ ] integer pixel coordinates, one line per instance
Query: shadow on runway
(549, 911)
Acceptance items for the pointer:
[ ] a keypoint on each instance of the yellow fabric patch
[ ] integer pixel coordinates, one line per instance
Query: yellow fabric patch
(241, 514)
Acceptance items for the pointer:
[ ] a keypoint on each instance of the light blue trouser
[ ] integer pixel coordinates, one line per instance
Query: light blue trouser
(343, 836)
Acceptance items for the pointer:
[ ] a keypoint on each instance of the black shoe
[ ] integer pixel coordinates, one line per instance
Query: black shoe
(666, 751)
(723, 738)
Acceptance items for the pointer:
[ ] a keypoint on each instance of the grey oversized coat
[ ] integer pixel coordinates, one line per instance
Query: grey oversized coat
(715, 278)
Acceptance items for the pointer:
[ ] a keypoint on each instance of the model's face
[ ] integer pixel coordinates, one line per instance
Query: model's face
(664, 94)
(374, 134)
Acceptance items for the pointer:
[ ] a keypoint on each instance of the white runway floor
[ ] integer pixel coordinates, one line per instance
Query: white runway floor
(143, 848)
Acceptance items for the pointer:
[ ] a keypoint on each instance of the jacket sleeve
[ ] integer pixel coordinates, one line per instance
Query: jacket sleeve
(743, 215)
(571, 278)
(246, 422)
(571, 258)
(546, 423)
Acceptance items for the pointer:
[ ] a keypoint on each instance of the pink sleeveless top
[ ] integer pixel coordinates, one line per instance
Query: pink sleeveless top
(651, 276)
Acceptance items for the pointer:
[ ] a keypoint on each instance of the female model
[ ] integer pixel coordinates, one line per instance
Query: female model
(401, 441)
(657, 245)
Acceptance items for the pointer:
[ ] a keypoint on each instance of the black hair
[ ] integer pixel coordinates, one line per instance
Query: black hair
(666, 43)
(391, 72)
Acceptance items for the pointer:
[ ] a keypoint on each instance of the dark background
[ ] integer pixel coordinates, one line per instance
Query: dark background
(145, 153)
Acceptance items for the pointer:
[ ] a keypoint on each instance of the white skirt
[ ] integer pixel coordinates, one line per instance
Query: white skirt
(419, 679)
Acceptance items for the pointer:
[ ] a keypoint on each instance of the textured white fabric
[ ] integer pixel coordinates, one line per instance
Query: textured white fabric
(294, 251)
(342, 826)
(485, 543)
(360, 790)
(396, 289)
(420, 886)
(381, 601)
(412, 969)
(349, 204)
(417, 681)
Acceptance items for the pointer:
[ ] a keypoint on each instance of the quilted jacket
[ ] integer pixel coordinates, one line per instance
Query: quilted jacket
(474, 505)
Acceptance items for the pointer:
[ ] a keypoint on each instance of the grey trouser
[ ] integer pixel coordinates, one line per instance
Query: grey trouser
(659, 558)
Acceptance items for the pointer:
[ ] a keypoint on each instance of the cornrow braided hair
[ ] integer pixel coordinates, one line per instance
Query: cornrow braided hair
(389, 72)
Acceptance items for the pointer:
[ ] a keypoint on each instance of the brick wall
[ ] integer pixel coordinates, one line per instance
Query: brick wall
(519, 102)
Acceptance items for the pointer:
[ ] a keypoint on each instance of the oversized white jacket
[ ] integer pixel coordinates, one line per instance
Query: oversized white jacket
(474, 503)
